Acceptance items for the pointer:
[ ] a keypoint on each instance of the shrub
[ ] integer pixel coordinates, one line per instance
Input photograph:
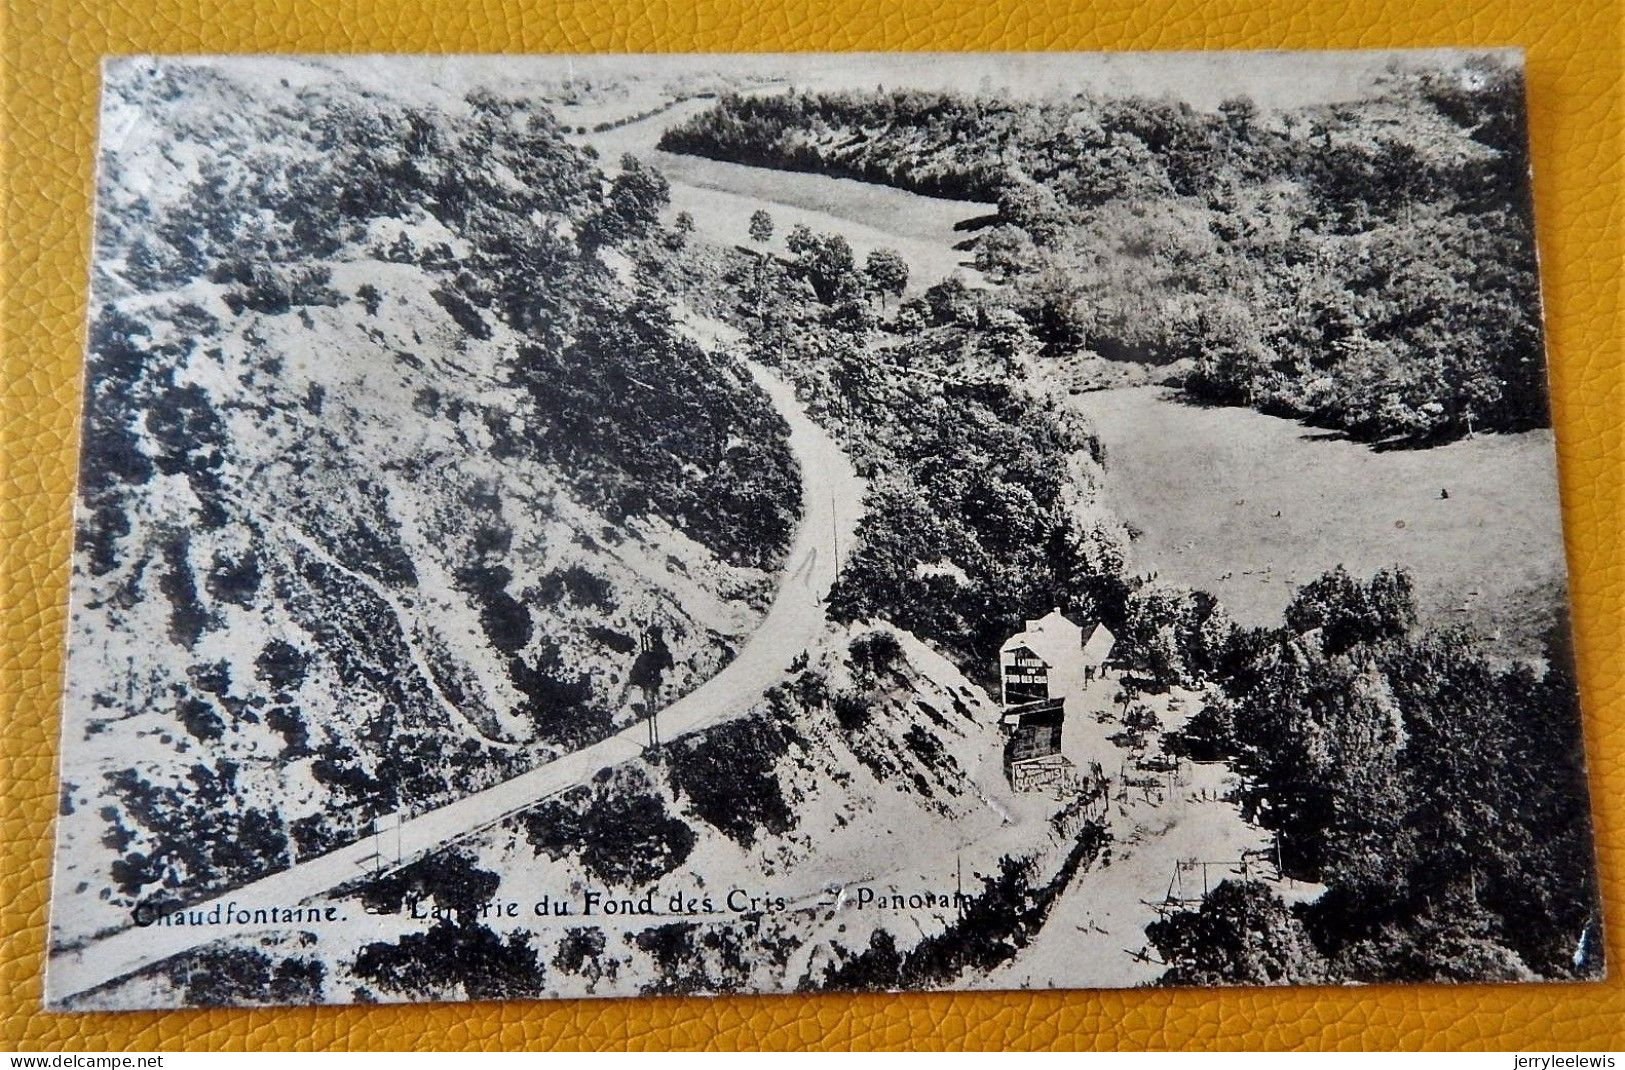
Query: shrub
(1242, 934)
(729, 775)
(619, 828)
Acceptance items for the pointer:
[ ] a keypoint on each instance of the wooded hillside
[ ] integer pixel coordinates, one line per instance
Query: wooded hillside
(1366, 266)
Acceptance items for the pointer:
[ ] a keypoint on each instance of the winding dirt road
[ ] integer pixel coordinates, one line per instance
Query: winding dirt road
(831, 495)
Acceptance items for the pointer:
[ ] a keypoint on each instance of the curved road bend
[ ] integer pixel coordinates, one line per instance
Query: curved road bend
(831, 495)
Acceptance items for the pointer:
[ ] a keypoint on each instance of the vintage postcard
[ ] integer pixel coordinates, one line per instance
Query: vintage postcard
(622, 525)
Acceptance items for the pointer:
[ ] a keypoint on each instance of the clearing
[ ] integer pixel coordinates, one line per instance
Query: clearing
(722, 196)
(1250, 507)
(1175, 834)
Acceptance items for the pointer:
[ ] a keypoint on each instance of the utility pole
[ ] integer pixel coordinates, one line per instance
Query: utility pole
(647, 673)
(835, 533)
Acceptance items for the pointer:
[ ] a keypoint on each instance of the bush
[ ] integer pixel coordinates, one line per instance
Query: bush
(449, 959)
(875, 653)
(244, 977)
(729, 776)
(618, 827)
(467, 316)
(1242, 934)
(273, 289)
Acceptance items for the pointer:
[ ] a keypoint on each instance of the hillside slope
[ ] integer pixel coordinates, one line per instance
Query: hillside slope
(386, 478)
(758, 855)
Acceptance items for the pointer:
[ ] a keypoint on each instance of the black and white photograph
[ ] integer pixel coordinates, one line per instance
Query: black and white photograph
(636, 525)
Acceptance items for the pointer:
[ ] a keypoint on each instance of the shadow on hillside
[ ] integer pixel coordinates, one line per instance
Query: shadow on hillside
(1318, 433)
(978, 222)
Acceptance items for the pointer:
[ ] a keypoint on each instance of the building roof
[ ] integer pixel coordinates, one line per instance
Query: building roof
(1056, 640)
(1052, 637)
(1098, 643)
(1048, 711)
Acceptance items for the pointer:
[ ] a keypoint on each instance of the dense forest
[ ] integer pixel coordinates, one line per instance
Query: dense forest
(1367, 266)
(1438, 795)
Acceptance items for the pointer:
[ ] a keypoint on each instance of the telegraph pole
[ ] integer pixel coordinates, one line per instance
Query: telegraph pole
(835, 534)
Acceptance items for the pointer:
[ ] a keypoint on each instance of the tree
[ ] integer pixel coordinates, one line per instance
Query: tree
(1171, 633)
(910, 317)
(888, 273)
(950, 302)
(681, 228)
(1003, 251)
(1243, 934)
(825, 261)
(632, 208)
(800, 239)
(761, 226)
(1241, 116)
(1053, 302)
(1349, 612)
(1035, 209)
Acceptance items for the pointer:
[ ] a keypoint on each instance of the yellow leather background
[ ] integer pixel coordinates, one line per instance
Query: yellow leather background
(51, 53)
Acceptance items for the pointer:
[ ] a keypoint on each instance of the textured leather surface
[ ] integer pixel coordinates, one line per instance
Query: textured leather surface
(51, 53)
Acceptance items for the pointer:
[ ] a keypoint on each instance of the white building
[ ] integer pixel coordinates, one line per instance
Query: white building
(1051, 658)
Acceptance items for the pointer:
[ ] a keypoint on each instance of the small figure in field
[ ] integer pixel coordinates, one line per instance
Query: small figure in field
(1443, 494)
